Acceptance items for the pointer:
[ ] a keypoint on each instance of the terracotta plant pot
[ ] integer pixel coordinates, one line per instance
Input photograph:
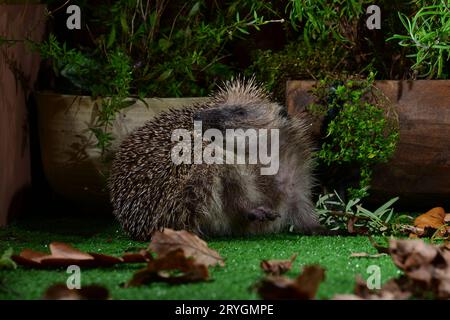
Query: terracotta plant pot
(419, 172)
(71, 161)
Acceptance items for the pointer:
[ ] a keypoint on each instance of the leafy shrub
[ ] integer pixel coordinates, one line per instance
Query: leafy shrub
(428, 35)
(361, 131)
(325, 19)
(294, 62)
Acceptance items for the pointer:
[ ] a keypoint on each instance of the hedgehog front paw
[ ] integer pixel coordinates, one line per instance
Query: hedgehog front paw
(262, 214)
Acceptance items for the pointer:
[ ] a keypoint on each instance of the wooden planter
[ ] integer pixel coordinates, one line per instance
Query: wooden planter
(71, 161)
(420, 170)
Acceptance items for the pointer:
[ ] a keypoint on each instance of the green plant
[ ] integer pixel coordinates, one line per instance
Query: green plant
(428, 35)
(322, 19)
(351, 216)
(83, 71)
(325, 38)
(362, 129)
(294, 62)
(5, 260)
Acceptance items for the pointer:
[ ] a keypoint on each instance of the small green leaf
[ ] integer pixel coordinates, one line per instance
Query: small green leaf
(5, 260)
(195, 8)
(123, 23)
(164, 44)
(111, 37)
(165, 75)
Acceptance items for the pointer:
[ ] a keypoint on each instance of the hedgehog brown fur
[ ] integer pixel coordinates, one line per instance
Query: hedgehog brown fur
(149, 192)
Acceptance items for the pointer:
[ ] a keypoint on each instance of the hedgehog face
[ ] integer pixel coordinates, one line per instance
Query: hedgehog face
(249, 116)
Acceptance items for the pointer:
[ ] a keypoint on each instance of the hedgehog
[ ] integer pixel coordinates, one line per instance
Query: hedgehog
(149, 191)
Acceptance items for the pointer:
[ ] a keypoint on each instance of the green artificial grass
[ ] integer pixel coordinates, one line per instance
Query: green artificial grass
(234, 281)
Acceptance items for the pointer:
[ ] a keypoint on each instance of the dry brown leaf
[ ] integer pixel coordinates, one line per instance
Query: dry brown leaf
(447, 218)
(432, 219)
(277, 267)
(158, 270)
(392, 290)
(141, 256)
(61, 292)
(169, 240)
(304, 287)
(414, 257)
(280, 288)
(103, 260)
(428, 266)
(61, 255)
(351, 229)
(426, 269)
(64, 255)
(63, 250)
(310, 279)
(350, 224)
(29, 258)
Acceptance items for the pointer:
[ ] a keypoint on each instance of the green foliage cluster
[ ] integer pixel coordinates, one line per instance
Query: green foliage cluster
(83, 71)
(293, 62)
(325, 19)
(336, 214)
(428, 35)
(173, 48)
(333, 34)
(323, 41)
(360, 131)
(145, 49)
(5, 260)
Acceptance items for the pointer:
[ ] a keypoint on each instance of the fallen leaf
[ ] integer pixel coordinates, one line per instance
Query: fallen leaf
(29, 258)
(141, 256)
(169, 240)
(426, 273)
(350, 224)
(310, 279)
(63, 250)
(304, 287)
(390, 291)
(61, 292)
(158, 270)
(280, 288)
(432, 219)
(352, 229)
(277, 267)
(64, 255)
(447, 218)
(415, 258)
(103, 260)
